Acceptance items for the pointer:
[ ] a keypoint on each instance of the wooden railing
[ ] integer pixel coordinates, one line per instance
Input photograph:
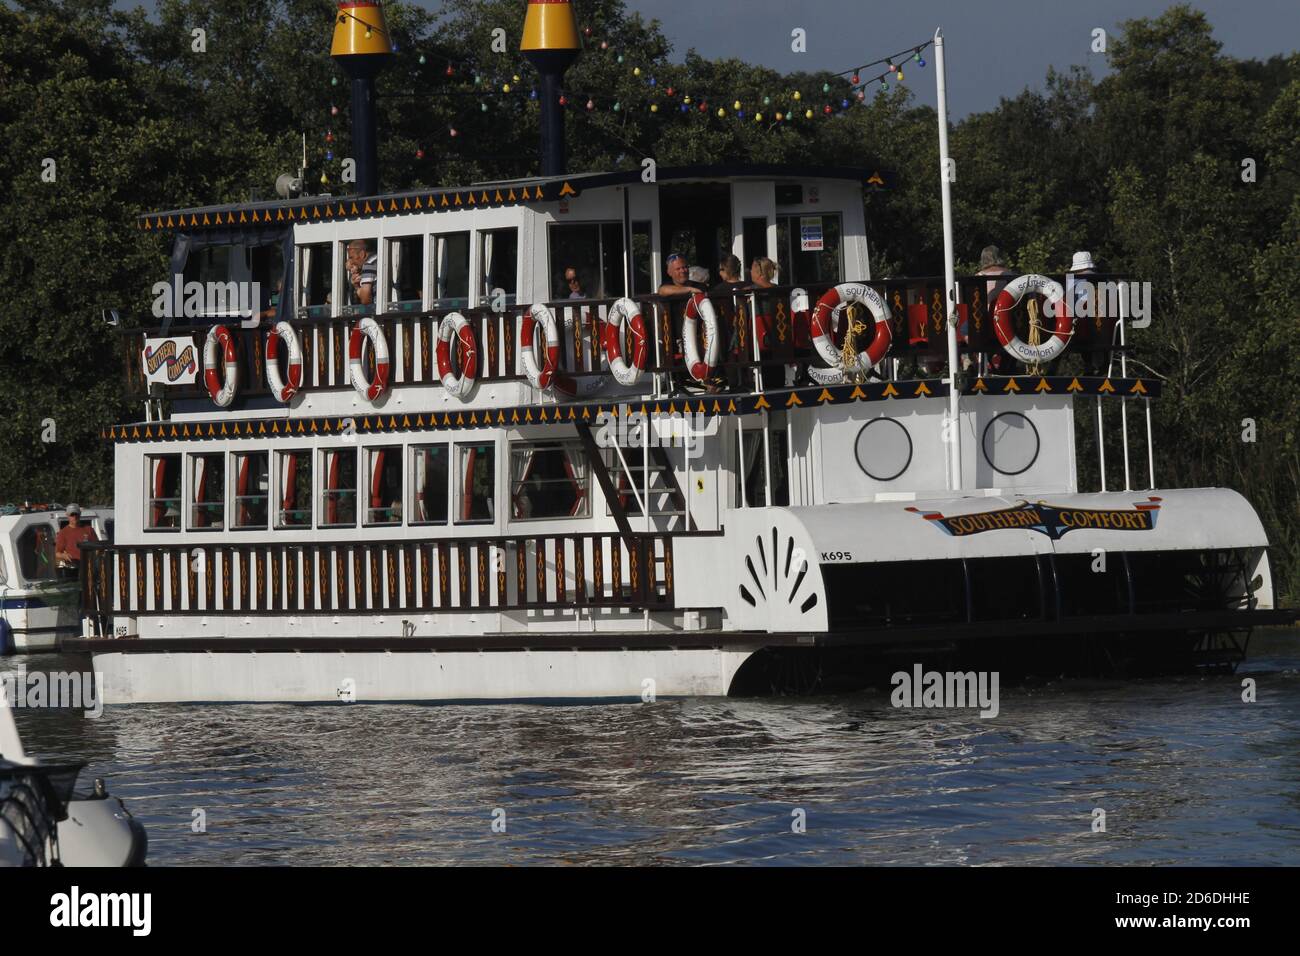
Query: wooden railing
(453, 575)
(916, 320)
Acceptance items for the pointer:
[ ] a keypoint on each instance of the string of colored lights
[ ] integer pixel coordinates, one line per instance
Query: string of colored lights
(781, 116)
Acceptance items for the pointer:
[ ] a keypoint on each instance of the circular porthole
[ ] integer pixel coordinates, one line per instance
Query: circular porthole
(1010, 443)
(884, 449)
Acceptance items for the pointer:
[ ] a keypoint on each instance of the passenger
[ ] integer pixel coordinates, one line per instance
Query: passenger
(363, 271)
(574, 283)
(698, 275)
(273, 302)
(993, 263)
(727, 294)
(1083, 299)
(729, 272)
(763, 272)
(678, 271)
(68, 542)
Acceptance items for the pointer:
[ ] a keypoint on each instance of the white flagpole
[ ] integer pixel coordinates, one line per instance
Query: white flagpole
(949, 266)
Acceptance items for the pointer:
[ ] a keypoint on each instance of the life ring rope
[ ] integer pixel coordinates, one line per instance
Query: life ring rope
(1010, 297)
(825, 319)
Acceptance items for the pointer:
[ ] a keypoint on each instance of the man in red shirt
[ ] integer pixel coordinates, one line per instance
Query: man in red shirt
(67, 544)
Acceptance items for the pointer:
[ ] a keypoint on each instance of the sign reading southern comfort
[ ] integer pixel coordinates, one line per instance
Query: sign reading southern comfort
(171, 361)
(1051, 520)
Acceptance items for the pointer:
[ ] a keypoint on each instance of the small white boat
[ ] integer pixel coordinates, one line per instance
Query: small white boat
(43, 822)
(39, 602)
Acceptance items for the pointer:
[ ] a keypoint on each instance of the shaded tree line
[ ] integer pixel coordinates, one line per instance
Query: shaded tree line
(1143, 167)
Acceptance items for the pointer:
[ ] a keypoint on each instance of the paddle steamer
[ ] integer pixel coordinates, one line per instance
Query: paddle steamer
(457, 483)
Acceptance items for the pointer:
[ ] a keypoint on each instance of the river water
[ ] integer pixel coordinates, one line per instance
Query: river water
(1185, 771)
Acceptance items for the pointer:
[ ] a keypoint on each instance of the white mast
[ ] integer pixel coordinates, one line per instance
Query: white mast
(951, 432)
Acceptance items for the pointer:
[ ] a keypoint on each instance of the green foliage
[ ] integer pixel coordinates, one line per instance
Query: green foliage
(1142, 168)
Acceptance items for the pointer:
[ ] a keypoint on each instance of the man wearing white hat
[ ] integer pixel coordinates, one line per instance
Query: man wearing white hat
(68, 542)
(1080, 293)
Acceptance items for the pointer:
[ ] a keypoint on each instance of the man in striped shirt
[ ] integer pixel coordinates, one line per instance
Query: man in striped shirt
(363, 271)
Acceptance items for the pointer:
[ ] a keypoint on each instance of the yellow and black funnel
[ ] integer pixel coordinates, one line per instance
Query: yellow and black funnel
(361, 45)
(551, 45)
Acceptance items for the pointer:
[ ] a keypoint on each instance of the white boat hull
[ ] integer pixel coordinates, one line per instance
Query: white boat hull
(427, 676)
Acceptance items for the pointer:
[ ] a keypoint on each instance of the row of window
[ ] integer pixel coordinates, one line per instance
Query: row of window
(383, 486)
(399, 277)
(593, 250)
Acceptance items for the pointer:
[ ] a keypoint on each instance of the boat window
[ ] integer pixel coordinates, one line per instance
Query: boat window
(315, 276)
(384, 483)
(225, 275)
(753, 469)
(207, 492)
(429, 484)
(405, 274)
(642, 259)
(809, 249)
(35, 548)
(295, 490)
(108, 530)
(4, 574)
(252, 482)
(498, 263)
(339, 497)
(548, 480)
(360, 276)
(476, 482)
(450, 270)
(593, 250)
(163, 473)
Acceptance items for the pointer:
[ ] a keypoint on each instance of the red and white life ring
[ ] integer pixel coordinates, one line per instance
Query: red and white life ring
(542, 376)
(1010, 297)
(368, 328)
(283, 332)
(221, 392)
(625, 311)
(826, 317)
(455, 324)
(701, 367)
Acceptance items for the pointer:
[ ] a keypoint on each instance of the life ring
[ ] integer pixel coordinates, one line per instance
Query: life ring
(625, 311)
(221, 392)
(826, 316)
(544, 376)
(368, 328)
(701, 368)
(1010, 297)
(455, 324)
(283, 332)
